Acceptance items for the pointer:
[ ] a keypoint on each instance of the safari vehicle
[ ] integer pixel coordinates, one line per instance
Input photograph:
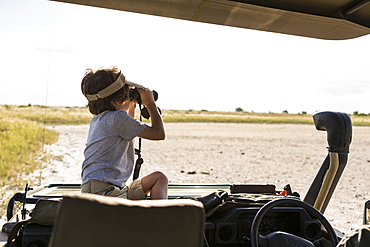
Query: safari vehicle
(209, 214)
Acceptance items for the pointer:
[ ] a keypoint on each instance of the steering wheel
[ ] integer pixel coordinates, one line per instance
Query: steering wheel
(276, 239)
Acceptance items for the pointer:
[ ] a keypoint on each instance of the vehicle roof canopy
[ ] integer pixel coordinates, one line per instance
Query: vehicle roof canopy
(333, 20)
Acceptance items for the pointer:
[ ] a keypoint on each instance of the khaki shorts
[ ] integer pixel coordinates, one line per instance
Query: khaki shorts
(133, 191)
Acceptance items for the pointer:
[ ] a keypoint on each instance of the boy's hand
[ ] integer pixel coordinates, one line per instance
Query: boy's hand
(146, 96)
(156, 130)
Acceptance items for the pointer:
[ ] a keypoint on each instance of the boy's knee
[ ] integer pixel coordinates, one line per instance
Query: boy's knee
(161, 176)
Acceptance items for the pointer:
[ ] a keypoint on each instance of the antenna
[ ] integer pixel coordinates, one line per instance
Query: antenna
(45, 112)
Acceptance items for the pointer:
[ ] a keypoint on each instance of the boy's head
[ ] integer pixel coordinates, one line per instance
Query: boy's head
(102, 87)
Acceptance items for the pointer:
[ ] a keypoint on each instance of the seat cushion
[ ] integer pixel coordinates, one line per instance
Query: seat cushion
(94, 220)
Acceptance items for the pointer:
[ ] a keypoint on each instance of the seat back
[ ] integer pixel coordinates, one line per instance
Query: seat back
(92, 220)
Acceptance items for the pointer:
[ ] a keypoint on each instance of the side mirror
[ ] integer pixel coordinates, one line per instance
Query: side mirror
(367, 213)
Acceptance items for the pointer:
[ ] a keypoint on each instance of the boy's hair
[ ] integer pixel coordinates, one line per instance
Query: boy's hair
(95, 81)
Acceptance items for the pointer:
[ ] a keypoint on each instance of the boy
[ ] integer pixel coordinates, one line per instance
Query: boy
(109, 152)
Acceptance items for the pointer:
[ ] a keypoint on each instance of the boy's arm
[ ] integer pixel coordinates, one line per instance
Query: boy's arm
(131, 109)
(156, 130)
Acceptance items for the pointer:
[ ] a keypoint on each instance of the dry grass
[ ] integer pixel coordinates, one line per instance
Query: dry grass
(21, 149)
(81, 115)
(234, 117)
(47, 115)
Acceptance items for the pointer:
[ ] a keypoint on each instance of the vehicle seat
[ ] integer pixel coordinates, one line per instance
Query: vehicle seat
(92, 220)
(359, 237)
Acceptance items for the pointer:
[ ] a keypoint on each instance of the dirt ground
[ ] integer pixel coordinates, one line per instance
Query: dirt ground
(277, 154)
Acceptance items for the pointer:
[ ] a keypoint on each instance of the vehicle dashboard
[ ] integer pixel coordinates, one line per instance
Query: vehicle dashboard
(232, 227)
(229, 218)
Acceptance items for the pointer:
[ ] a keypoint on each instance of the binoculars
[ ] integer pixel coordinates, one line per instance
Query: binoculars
(135, 96)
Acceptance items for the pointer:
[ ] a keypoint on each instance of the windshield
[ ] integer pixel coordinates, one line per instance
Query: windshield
(46, 47)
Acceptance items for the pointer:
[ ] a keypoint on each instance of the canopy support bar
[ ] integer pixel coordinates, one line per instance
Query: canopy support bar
(356, 7)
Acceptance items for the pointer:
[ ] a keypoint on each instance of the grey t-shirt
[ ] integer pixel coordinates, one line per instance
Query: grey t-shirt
(109, 152)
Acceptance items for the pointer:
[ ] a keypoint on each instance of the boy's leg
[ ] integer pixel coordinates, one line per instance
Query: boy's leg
(156, 183)
(135, 190)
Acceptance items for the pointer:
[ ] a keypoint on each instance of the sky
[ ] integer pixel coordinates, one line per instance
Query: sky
(46, 46)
